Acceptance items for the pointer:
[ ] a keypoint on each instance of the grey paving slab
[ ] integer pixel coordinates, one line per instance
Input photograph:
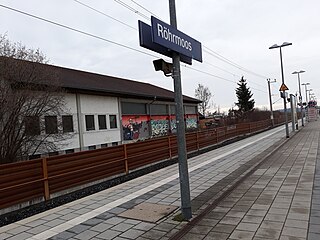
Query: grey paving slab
(101, 227)
(79, 228)
(251, 227)
(297, 224)
(295, 232)
(224, 228)
(88, 234)
(108, 234)
(63, 236)
(93, 221)
(154, 234)
(132, 234)
(122, 227)
(20, 236)
(18, 230)
(38, 229)
(245, 235)
(268, 233)
(54, 222)
(313, 236)
(5, 235)
(144, 226)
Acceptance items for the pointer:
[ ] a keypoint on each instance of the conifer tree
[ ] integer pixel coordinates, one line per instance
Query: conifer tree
(244, 95)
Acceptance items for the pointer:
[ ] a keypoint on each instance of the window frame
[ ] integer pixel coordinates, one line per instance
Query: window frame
(102, 125)
(65, 124)
(51, 124)
(32, 128)
(92, 127)
(115, 125)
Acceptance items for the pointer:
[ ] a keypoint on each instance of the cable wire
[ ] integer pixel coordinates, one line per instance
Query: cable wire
(132, 9)
(221, 58)
(96, 10)
(110, 41)
(145, 9)
(215, 76)
(78, 31)
(209, 51)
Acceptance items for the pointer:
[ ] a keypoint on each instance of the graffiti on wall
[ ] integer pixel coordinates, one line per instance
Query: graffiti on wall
(191, 121)
(142, 126)
(159, 126)
(135, 127)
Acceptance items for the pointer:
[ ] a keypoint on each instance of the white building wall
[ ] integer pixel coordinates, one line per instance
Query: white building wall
(100, 105)
(89, 105)
(70, 109)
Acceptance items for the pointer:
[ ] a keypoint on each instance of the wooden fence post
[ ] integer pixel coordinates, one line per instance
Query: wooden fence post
(45, 179)
(217, 135)
(169, 147)
(126, 165)
(198, 144)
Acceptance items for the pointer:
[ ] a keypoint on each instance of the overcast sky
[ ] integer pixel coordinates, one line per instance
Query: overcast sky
(240, 31)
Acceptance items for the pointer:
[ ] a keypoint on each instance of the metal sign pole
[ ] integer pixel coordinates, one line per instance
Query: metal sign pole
(182, 150)
(284, 99)
(270, 101)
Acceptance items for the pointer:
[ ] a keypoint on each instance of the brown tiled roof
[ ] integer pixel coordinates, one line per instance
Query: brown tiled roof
(85, 82)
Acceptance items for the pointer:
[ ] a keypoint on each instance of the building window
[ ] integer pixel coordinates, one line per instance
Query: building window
(90, 122)
(51, 124)
(32, 125)
(93, 147)
(133, 108)
(113, 121)
(35, 156)
(68, 151)
(104, 145)
(67, 123)
(158, 109)
(102, 122)
(190, 110)
(115, 144)
(53, 153)
(172, 109)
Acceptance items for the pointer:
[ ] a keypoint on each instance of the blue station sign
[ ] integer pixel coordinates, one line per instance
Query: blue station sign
(145, 39)
(171, 38)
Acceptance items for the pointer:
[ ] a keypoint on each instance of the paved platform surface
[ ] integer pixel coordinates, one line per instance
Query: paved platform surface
(262, 187)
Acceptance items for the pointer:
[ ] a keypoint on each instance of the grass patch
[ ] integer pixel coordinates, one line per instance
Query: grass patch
(179, 218)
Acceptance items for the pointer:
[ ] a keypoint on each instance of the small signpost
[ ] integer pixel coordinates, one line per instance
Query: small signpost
(283, 87)
(168, 40)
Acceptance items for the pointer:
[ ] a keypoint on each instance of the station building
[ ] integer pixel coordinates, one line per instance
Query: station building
(103, 111)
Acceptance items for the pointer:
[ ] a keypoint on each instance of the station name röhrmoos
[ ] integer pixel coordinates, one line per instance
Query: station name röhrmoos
(175, 40)
(165, 33)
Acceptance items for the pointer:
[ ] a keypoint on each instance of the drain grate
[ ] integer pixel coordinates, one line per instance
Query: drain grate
(148, 212)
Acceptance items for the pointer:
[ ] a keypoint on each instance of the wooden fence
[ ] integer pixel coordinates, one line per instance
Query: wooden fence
(25, 181)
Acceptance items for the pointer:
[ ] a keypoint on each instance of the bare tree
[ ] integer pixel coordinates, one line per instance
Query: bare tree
(28, 92)
(203, 94)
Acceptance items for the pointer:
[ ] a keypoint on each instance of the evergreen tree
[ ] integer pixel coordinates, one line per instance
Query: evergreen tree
(244, 95)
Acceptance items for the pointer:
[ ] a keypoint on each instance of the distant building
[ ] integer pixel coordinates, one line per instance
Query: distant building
(103, 111)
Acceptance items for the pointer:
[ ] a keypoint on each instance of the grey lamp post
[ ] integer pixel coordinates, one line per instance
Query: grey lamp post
(282, 75)
(305, 87)
(311, 95)
(270, 100)
(309, 90)
(300, 97)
